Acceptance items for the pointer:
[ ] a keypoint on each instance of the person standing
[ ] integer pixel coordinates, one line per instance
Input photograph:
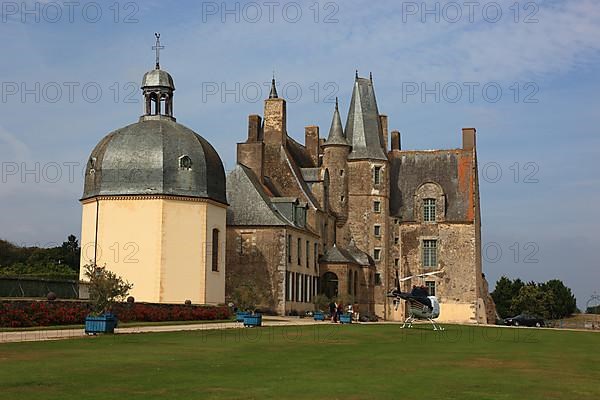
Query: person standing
(340, 310)
(333, 311)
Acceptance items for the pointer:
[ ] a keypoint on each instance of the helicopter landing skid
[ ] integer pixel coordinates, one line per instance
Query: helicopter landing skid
(409, 323)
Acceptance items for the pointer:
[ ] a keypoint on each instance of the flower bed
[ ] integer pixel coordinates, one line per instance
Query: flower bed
(25, 313)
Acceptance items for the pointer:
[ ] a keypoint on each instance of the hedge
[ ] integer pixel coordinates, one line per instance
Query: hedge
(26, 313)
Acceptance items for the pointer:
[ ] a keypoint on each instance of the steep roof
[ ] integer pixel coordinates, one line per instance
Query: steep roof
(336, 132)
(249, 203)
(363, 125)
(454, 170)
(337, 255)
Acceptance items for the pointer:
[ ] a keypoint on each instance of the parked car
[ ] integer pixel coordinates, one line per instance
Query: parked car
(525, 320)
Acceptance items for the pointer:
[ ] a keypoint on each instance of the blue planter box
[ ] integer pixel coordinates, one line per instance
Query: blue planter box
(239, 316)
(346, 319)
(319, 316)
(253, 320)
(105, 323)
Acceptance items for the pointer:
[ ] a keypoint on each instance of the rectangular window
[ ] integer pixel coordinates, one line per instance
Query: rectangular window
(299, 251)
(377, 254)
(316, 255)
(377, 175)
(396, 262)
(297, 287)
(429, 253)
(377, 230)
(377, 207)
(377, 279)
(429, 210)
(430, 285)
(396, 240)
(307, 251)
(289, 248)
(287, 286)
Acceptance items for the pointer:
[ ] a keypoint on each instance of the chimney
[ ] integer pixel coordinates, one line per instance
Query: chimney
(311, 141)
(383, 121)
(274, 129)
(468, 138)
(251, 155)
(254, 128)
(396, 144)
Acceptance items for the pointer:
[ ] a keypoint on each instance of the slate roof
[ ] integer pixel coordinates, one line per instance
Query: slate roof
(363, 125)
(337, 255)
(336, 132)
(143, 159)
(453, 170)
(250, 203)
(352, 255)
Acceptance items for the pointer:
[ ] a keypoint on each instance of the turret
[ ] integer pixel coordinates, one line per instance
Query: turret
(335, 154)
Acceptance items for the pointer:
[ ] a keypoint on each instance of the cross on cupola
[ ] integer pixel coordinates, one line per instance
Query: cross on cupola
(158, 88)
(157, 47)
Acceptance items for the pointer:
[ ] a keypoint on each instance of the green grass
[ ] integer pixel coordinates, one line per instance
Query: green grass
(309, 362)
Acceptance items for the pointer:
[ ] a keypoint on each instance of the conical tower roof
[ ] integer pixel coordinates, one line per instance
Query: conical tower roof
(336, 132)
(363, 125)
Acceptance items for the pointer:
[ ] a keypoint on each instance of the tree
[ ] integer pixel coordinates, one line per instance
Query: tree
(504, 293)
(565, 303)
(105, 288)
(532, 299)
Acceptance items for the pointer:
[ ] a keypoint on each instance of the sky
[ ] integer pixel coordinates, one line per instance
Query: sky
(525, 74)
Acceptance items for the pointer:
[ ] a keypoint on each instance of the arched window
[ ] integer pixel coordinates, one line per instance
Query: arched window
(215, 249)
(355, 283)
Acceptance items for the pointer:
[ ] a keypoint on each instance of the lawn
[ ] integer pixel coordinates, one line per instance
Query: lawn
(309, 362)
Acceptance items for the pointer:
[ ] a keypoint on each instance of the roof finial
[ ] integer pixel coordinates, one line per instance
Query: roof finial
(356, 75)
(371, 77)
(273, 94)
(336, 102)
(158, 48)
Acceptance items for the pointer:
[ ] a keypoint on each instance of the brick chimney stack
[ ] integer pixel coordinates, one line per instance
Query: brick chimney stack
(468, 138)
(311, 141)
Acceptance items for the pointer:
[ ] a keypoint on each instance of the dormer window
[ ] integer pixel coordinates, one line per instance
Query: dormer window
(185, 163)
(92, 164)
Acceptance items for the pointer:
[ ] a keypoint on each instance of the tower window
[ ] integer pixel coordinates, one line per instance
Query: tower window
(430, 285)
(377, 207)
(429, 210)
(429, 253)
(377, 230)
(377, 175)
(377, 254)
(341, 172)
(342, 198)
(396, 240)
(215, 250)
(377, 279)
(185, 163)
(396, 262)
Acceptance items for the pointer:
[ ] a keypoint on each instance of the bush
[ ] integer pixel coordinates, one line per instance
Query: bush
(26, 313)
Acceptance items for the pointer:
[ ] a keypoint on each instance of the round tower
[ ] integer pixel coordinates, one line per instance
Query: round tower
(335, 154)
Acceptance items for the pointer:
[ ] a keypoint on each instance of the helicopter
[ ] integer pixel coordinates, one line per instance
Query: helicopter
(421, 306)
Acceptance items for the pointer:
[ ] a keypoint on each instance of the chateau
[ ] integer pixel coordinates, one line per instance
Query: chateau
(338, 216)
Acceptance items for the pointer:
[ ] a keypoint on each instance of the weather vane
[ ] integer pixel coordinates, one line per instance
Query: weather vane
(158, 48)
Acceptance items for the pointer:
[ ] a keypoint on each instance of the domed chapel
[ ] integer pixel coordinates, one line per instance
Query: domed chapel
(154, 204)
